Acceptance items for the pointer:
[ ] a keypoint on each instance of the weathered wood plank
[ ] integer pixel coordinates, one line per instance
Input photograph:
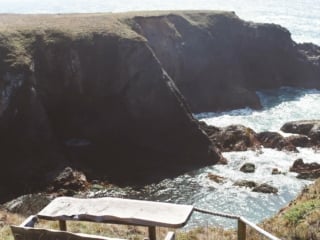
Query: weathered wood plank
(117, 210)
(26, 233)
(29, 222)
(170, 236)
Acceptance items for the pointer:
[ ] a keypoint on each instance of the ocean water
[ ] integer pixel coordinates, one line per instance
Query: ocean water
(302, 19)
(279, 106)
(196, 188)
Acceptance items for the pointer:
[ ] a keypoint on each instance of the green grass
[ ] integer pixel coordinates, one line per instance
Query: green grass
(300, 211)
(300, 219)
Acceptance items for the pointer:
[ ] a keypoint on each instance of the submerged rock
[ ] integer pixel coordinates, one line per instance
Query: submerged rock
(265, 188)
(276, 171)
(256, 187)
(248, 168)
(245, 183)
(216, 178)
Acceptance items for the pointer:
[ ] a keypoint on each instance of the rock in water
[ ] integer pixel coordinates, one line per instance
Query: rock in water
(245, 183)
(248, 168)
(310, 128)
(306, 170)
(265, 188)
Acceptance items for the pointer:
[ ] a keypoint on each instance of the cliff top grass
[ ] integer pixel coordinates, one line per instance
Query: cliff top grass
(18, 31)
(84, 22)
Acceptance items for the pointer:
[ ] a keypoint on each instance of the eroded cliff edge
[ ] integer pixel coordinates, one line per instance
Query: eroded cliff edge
(98, 91)
(219, 61)
(87, 91)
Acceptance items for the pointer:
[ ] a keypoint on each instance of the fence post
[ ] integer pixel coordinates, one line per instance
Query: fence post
(241, 230)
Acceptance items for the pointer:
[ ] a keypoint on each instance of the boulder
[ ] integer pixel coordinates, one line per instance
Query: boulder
(262, 188)
(276, 171)
(232, 138)
(310, 175)
(275, 140)
(216, 178)
(265, 188)
(248, 168)
(306, 170)
(28, 204)
(299, 141)
(310, 128)
(68, 179)
(245, 183)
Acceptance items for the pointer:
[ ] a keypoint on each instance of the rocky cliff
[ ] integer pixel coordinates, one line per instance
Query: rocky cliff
(219, 61)
(99, 91)
(93, 97)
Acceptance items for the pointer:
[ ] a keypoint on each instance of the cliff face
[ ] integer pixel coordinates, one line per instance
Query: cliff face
(98, 91)
(99, 102)
(218, 61)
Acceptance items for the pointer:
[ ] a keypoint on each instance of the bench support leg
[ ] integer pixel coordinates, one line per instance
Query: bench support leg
(62, 225)
(152, 233)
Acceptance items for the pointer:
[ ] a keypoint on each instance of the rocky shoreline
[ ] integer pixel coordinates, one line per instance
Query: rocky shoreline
(112, 95)
(70, 182)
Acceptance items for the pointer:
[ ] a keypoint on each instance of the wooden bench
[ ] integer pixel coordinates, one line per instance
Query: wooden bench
(117, 211)
(27, 231)
(103, 210)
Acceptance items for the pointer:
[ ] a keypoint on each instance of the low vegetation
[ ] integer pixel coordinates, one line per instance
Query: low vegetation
(300, 219)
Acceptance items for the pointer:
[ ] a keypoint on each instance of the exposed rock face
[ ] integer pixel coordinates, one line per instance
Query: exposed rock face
(98, 100)
(218, 61)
